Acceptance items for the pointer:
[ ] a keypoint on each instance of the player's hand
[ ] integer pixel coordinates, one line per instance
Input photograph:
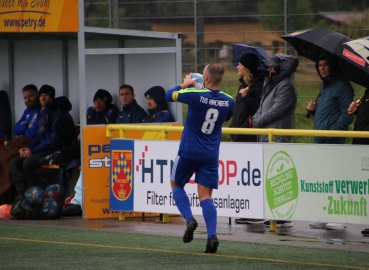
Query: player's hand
(25, 152)
(21, 151)
(188, 81)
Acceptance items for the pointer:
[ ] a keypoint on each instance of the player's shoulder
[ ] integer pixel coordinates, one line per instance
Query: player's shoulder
(225, 95)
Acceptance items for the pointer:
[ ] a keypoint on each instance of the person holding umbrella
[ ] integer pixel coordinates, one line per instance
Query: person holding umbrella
(248, 97)
(247, 102)
(360, 108)
(335, 96)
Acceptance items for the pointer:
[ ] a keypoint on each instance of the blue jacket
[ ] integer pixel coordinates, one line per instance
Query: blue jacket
(131, 113)
(335, 97)
(47, 139)
(108, 116)
(158, 116)
(30, 126)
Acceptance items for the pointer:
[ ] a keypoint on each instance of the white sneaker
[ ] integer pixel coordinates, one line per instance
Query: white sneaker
(335, 226)
(317, 225)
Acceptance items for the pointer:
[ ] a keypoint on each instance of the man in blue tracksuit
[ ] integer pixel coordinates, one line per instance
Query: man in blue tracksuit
(208, 109)
(25, 130)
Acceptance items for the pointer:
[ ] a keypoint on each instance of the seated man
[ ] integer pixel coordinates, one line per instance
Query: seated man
(103, 112)
(157, 106)
(131, 112)
(25, 130)
(67, 155)
(24, 166)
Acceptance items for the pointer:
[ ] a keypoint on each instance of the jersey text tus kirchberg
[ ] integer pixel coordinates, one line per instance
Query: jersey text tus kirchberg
(214, 102)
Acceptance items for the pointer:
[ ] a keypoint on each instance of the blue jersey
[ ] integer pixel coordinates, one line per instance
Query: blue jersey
(28, 123)
(207, 111)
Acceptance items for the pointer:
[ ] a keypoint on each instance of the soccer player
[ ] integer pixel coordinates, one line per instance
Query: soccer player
(198, 152)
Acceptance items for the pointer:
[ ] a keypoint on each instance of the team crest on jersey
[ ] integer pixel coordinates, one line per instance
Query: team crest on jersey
(121, 185)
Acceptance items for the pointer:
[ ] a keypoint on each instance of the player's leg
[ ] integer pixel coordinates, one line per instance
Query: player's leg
(207, 180)
(181, 173)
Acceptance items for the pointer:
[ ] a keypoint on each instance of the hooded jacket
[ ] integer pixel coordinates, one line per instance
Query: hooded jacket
(335, 96)
(47, 139)
(278, 102)
(161, 112)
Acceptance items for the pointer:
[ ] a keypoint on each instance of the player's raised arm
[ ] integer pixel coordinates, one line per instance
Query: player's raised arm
(188, 81)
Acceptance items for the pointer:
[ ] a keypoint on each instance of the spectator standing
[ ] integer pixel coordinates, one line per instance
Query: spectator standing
(279, 98)
(247, 103)
(362, 117)
(335, 96)
(102, 113)
(25, 130)
(131, 111)
(157, 106)
(199, 148)
(248, 97)
(5, 116)
(330, 109)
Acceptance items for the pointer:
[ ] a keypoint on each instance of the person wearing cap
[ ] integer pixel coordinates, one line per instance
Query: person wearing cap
(157, 106)
(24, 166)
(103, 112)
(131, 111)
(248, 97)
(335, 96)
(279, 98)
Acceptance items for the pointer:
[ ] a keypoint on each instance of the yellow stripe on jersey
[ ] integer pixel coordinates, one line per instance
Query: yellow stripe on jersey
(226, 94)
(192, 89)
(175, 96)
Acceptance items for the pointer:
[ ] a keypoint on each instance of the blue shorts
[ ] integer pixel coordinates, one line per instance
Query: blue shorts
(206, 173)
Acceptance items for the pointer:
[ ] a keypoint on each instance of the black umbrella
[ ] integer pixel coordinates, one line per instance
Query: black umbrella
(311, 43)
(356, 65)
(241, 49)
